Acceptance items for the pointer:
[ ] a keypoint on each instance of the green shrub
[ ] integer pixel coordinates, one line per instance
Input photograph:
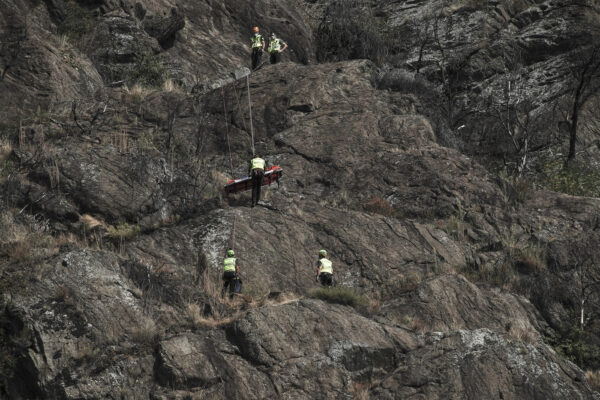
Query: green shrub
(340, 295)
(123, 232)
(577, 179)
(78, 21)
(575, 346)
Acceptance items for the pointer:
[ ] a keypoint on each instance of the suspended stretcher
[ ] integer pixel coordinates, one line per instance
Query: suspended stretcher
(272, 174)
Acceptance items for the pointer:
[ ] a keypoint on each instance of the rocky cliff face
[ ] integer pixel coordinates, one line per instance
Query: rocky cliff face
(114, 223)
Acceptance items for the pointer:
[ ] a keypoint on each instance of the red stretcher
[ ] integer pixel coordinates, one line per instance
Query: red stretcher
(272, 174)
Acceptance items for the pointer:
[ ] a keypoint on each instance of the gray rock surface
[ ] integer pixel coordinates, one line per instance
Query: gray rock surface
(479, 364)
(114, 223)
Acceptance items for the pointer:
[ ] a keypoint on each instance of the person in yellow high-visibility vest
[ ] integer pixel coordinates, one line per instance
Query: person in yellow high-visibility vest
(257, 172)
(324, 269)
(276, 47)
(258, 47)
(230, 273)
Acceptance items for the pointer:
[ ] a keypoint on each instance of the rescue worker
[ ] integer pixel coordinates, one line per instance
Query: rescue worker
(230, 273)
(258, 47)
(275, 48)
(257, 172)
(324, 269)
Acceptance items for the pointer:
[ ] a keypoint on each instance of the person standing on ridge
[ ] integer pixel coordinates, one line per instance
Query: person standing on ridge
(324, 269)
(230, 273)
(275, 48)
(258, 47)
(257, 172)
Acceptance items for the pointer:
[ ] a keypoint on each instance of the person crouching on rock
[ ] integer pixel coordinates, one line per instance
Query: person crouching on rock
(275, 48)
(257, 172)
(324, 269)
(258, 47)
(230, 273)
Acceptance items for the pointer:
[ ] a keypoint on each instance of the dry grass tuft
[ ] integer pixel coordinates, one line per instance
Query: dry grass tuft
(90, 222)
(120, 139)
(410, 281)
(94, 228)
(373, 304)
(146, 334)
(360, 390)
(6, 165)
(414, 323)
(5, 149)
(211, 285)
(25, 239)
(340, 295)
(21, 251)
(593, 378)
(530, 259)
(136, 93)
(170, 86)
(195, 316)
(524, 332)
(378, 205)
(283, 298)
(64, 239)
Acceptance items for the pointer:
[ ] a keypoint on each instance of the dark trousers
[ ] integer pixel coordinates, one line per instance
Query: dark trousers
(326, 279)
(256, 57)
(229, 279)
(275, 57)
(257, 178)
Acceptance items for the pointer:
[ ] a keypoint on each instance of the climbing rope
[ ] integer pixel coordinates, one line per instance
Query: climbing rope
(250, 112)
(230, 162)
(227, 130)
(228, 142)
(239, 107)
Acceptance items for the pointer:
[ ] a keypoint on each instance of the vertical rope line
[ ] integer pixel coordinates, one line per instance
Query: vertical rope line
(250, 111)
(227, 130)
(239, 108)
(230, 161)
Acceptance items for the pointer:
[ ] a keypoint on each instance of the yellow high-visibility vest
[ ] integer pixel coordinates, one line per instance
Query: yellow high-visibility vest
(257, 163)
(274, 45)
(229, 264)
(256, 41)
(326, 266)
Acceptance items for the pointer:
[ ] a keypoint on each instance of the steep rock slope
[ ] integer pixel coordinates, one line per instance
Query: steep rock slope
(60, 51)
(477, 57)
(110, 267)
(151, 287)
